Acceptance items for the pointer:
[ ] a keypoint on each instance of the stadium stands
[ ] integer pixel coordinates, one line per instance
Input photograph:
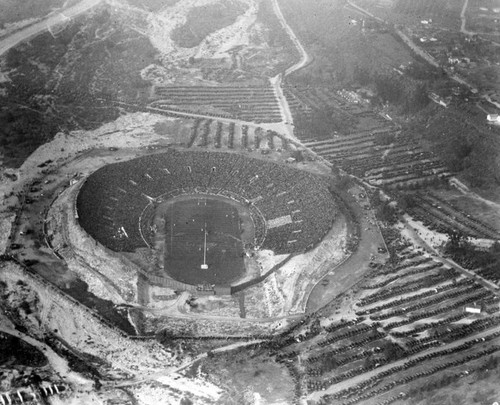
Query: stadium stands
(113, 199)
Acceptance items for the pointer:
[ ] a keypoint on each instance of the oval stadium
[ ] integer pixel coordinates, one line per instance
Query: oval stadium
(203, 212)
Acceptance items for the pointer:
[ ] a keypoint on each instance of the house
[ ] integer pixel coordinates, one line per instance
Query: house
(473, 309)
(493, 118)
(439, 100)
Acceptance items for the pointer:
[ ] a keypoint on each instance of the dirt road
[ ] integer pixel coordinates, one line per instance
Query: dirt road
(304, 57)
(276, 81)
(51, 20)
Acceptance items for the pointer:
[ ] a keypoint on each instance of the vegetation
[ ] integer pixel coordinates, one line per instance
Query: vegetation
(462, 142)
(323, 122)
(66, 82)
(79, 290)
(464, 252)
(19, 352)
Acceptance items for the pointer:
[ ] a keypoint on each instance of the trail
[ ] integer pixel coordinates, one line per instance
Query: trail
(276, 81)
(60, 18)
(140, 378)
(464, 20)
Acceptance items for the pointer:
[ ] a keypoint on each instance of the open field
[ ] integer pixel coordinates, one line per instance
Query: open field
(185, 251)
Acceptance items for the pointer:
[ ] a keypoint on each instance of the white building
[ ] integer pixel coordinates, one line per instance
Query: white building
(493, 118)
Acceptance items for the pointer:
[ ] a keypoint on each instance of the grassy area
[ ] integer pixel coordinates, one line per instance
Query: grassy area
(205, 20)
(333, 35)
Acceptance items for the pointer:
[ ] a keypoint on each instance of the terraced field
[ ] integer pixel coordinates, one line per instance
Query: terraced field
(252, 104)
(400, 164)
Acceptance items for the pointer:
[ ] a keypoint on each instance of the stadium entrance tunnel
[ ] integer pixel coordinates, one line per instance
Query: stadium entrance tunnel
(169, 203)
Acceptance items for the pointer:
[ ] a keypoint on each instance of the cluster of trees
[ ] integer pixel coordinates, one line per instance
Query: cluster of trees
(464, 252)
(462, 141)
(323, 122)
(67, 82)
(409, 98)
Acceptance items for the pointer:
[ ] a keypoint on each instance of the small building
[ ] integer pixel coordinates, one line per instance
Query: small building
(493, 118)
(473, 309)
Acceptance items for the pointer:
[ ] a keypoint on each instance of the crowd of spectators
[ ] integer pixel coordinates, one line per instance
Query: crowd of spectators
(112, 199)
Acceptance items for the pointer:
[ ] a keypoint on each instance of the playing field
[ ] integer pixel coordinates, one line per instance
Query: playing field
(186, 250)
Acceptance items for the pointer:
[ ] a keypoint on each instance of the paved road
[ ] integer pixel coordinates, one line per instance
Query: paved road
(346, 274)
(50, 21)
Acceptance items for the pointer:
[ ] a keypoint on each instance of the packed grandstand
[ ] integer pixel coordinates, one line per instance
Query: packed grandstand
(293, 209)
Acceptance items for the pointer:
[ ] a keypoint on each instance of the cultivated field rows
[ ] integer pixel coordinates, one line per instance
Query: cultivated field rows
(400, 164)
(256, 104)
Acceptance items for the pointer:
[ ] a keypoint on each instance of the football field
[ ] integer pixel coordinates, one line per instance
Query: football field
(203, 242)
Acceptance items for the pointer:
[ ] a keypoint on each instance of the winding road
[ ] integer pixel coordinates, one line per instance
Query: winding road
(60, 17)
(276, 81)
